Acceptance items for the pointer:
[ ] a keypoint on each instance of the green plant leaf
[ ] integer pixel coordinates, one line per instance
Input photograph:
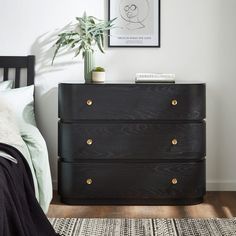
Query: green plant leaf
(102, 38)
(78, 51)
(98, 40)
(85, 34)
(99, 69)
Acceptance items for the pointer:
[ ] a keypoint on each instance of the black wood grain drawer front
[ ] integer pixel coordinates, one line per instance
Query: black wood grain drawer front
(133, 182)
(132, 143)
(80, 141)
(132, 101)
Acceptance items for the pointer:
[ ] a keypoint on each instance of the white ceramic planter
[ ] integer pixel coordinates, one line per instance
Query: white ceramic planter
(98, 76)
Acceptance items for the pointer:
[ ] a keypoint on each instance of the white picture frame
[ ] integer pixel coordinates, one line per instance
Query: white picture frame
(137, 23)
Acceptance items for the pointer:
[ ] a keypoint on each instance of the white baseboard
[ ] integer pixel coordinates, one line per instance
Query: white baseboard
(211, 185)
(221, 185)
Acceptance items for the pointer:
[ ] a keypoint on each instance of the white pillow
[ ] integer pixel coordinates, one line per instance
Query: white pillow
(9, 131)
(4, 85)
(21, 102)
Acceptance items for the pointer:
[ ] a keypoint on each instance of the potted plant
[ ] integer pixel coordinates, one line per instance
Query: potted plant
(86, 34)
(98, 75)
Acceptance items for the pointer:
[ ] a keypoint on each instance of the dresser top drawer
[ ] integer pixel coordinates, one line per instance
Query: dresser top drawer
(131, 101)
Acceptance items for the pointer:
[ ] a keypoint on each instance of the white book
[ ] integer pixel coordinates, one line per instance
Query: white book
(154, 78)
(154, 81)
(155, 75)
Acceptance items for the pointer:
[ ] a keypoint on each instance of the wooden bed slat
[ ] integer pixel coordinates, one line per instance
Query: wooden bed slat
(17, 78)
(5, 74)
(30, 70)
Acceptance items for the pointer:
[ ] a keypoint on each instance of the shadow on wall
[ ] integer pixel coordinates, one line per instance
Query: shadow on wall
(47, 118)
(46, 82)
(43, 47)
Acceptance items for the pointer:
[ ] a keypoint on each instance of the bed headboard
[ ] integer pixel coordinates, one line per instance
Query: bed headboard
(18, 62)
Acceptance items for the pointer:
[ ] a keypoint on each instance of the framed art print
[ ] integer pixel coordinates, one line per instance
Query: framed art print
(137, 23)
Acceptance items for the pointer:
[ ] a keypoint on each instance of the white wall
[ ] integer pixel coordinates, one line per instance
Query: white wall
(198, 43)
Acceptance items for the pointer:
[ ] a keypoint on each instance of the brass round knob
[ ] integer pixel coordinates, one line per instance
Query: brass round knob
(174, 102)
(174, 181)
(174, 141)
(89, 142)
(89, 102)
(89, 181)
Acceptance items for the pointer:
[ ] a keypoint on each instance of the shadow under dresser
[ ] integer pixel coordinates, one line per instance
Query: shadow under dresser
(132, 144)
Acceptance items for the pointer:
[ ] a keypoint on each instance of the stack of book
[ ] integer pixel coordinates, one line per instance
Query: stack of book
(154, 78)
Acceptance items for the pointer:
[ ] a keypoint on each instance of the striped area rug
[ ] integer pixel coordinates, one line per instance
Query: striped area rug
(144, 227)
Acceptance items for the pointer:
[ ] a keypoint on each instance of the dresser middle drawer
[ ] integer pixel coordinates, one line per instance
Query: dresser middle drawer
(83, 141)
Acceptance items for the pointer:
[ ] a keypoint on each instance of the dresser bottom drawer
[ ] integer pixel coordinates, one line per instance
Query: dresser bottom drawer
(132, 183)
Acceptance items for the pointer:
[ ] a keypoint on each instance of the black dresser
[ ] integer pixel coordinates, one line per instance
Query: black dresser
(132, 143)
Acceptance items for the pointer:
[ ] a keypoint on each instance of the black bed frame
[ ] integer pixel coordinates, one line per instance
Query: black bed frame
(18, 62)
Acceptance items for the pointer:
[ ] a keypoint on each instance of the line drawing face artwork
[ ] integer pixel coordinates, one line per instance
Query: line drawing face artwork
(134, 13)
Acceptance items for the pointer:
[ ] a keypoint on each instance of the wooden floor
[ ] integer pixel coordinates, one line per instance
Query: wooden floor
(217, 204)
